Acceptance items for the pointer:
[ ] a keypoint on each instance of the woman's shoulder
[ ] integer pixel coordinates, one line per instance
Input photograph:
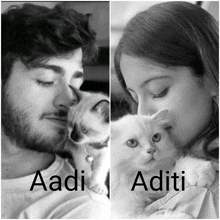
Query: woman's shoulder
(194, 201)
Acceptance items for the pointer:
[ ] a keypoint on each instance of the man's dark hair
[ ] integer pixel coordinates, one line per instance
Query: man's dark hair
(32, 33)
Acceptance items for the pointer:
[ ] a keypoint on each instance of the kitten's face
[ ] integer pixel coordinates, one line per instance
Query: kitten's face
(88, 121)
(142, 141)
(129, 141)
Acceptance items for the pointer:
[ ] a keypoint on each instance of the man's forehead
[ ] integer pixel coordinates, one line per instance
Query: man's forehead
(54, 62)
(71, 62)
(69, 65)
(74, 57)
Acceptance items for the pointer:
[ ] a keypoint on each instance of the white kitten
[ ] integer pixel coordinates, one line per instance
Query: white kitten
(143, 143)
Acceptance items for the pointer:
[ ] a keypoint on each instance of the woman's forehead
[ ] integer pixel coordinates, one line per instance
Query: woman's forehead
(136, 69)
(138, 72)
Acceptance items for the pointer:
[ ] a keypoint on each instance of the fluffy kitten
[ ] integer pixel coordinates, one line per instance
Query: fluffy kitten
(143, 143)
(88, 130)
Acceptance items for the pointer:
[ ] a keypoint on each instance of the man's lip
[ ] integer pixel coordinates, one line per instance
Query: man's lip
(61, 122)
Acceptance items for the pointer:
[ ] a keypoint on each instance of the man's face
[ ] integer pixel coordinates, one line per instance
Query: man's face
(36, 101)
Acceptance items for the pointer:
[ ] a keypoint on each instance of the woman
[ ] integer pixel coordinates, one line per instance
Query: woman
(168, 58)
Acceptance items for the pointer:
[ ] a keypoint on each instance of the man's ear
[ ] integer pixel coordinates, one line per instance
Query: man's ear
(160, 119)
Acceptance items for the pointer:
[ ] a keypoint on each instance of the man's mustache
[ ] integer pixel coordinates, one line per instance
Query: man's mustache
(60, 114)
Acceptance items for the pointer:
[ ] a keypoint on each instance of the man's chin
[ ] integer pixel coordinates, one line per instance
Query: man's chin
(43, 143)
(53, 132)
(55, 143)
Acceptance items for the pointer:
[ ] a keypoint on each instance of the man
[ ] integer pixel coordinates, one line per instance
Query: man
(43, 53)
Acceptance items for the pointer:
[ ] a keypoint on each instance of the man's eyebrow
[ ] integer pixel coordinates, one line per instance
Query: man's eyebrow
(153, 78)
(54, 68)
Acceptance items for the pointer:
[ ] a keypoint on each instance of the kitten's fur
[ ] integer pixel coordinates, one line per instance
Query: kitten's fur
(127, 161)
(88, 130)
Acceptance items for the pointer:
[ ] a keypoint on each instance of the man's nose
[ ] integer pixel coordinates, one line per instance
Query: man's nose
(64, 98)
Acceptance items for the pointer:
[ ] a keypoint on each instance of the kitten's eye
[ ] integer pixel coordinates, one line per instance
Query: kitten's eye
(156, 137)
(132, 143)
(70, 124)
(84, 130)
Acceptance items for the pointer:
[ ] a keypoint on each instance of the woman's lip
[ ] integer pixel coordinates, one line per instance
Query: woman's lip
(60, 122)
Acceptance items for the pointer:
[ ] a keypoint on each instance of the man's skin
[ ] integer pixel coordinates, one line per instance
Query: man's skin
(41, 93)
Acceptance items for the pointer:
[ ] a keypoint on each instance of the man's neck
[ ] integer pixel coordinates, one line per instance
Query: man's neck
(19, 162)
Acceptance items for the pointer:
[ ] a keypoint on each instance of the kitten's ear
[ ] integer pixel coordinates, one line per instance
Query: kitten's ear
(160, 119)
(76, 93)
(102, 108)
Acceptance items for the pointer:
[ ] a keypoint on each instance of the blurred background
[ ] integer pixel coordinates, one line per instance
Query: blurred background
(96, 75)
(121, 13)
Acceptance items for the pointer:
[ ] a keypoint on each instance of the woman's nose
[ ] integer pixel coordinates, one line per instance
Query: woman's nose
(145, 108)
(64, 98)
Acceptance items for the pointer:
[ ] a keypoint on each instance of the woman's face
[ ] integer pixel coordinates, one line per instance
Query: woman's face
(155, 87)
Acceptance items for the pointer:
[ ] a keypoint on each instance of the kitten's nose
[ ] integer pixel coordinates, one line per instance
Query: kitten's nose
(75, 134)
(151, 150)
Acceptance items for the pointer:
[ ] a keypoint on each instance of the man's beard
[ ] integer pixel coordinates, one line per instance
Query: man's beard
(17, 126)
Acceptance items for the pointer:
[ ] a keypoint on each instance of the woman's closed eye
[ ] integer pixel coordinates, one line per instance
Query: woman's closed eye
(160, 94)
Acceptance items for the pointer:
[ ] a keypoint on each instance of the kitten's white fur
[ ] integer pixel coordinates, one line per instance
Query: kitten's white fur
(126, 162)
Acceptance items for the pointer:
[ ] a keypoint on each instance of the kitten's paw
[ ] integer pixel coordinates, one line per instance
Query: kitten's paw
(201, 175)
(98, 187)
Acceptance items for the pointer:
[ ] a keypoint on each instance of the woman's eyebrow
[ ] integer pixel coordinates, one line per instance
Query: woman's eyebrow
(144, 83)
